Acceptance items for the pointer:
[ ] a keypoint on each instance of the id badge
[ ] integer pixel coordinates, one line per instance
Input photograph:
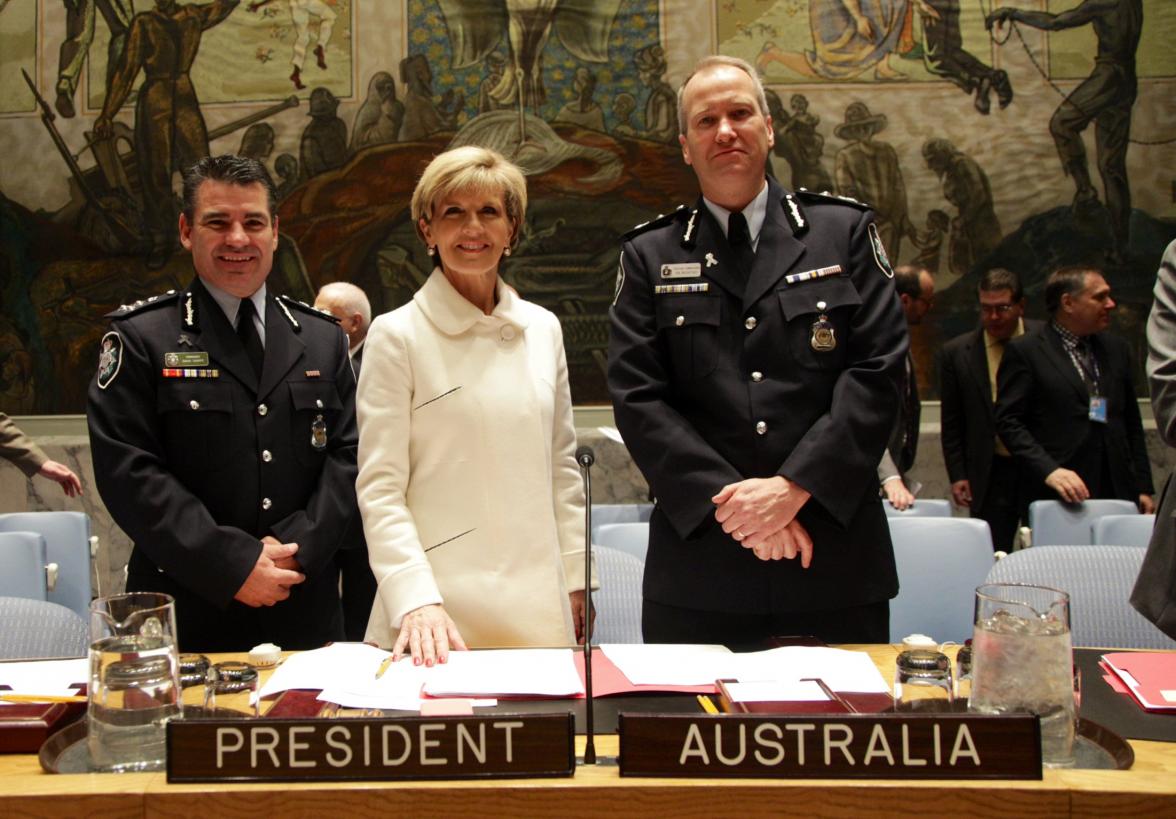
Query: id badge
(1098, 409)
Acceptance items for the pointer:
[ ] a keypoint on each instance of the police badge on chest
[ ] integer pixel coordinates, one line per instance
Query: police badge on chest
(318, 433)
(824, 337)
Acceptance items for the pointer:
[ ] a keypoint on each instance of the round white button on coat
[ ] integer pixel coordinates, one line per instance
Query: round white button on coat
(266, 503)
(680, 320)
(266, 455)
(757, 376)
(507, 333)
(318, 402)
(262, 409)
(761, 427)
(750, 323)
(194, 404)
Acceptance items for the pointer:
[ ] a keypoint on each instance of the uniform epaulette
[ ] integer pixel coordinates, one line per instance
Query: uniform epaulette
(140, 305)
(828, 196)
(306, 308)
(661, 221)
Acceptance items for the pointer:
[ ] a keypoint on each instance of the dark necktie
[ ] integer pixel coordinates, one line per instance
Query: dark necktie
(739, 238)
(247, 332)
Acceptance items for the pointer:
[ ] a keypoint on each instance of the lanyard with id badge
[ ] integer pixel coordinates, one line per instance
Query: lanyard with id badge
(1097, 410)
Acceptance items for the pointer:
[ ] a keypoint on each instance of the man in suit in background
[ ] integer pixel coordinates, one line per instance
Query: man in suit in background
(1155, 590)
(981, 469)
(222, 426)
(1066, 407)
(351, 307)
(755, 352)
(916, 293)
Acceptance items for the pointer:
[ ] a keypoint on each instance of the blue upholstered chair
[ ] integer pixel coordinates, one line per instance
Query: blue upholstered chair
(38, 629)
(1123, 530)
(1053, 523)
(606, 513)
(23, 569)
(1099, 580)
(923, 508)
(618, 601)
(67, 543)
(632, 538)
(940, 563)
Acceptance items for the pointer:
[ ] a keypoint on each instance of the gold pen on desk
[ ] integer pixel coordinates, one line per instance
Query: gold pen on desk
(40, 698)
(707, 704)
(383, 666)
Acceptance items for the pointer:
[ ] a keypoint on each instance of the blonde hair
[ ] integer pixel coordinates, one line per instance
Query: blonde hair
(465, 169)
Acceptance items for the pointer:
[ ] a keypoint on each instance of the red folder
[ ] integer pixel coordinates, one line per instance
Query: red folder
(1150, 676)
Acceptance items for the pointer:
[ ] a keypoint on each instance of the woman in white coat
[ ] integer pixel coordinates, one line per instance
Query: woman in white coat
(471, 499)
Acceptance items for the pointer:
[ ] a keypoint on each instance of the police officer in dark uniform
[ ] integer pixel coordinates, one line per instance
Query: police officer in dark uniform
(755, 358)
(222, 426)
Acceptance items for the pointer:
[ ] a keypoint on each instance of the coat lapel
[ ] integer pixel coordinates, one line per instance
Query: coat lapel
(976, 355)
(710, 234)
(283, 349)
(777, 251)
(217, 336)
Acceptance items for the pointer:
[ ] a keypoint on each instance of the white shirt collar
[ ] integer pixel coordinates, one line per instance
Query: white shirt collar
(453, 315)
(230, 304)
(755, 213)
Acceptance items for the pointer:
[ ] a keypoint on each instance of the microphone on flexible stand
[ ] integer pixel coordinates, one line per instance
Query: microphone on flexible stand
(585, 458)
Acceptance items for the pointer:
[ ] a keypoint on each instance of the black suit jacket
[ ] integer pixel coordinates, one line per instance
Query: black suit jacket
(967, 411)
(720, 383)
(197, 468)
(1042, 414)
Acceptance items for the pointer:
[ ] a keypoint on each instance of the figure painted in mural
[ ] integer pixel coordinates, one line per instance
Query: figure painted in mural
(169, 127)
(381, 115)
(584, 110)
(80, 18)
(752, 336)
(222, 427)
(930, 241)
(25, 455)
(422, 116)
(324, 139)
(867, 170)
(798, 142)
(319, 14)
(944, 56)
(477, 27)
(468, 484)
(286, 167)
(1066, 405)
(623, 106)
(1106, 97)
(980, 467)
(850, 36)
(257, 142)
(662, 103)
(975, 230)
(357, 584)
(495, 64)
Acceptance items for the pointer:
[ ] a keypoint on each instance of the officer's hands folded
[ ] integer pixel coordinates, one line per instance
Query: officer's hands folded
(275, 572)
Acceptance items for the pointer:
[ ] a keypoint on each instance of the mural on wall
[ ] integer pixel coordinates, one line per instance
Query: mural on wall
(1026, 135)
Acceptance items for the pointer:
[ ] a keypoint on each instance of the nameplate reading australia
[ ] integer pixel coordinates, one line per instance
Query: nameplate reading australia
(842, 746)
(467, 747)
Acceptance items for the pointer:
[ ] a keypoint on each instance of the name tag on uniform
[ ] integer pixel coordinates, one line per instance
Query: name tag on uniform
(819, 273)
(697, 287)
(684, 270)
(1098, 409)
(181, 359)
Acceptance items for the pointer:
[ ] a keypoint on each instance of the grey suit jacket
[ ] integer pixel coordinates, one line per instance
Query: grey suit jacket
(1155, 590)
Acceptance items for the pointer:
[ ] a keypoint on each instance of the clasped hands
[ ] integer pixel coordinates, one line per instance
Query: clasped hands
(760, 513)
(276, 570)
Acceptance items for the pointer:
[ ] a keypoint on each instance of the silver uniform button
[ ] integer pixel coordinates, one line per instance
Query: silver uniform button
(266, 455)
(750, 323)
(318, 402)
(760, 427)
(194, 404)
(680, 320)
(757, 376)
(262, 409)
(266, 503)
(508, 333)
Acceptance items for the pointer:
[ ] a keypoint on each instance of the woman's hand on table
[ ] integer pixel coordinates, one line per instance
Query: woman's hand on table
(428, 633)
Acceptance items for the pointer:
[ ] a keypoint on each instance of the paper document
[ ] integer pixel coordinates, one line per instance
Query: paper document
(46, 677)
(327, 667)
(776, 691)
(662, 664)
(518, 672)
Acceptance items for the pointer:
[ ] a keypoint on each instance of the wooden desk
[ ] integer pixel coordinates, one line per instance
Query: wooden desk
(1148, 789)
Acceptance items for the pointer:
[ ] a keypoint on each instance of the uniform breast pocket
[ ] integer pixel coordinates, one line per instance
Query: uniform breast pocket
(689, 323)
(817, 316)
(315, 418)
(197, 421)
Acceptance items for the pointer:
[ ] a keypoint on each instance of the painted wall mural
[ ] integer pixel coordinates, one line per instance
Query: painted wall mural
(1018, 133)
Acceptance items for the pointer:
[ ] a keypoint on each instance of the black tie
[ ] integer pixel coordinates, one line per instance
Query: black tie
(739, 238)
(247, 332)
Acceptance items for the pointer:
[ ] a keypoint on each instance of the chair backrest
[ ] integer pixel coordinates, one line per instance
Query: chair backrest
(1099, 580)
(606, 513)
(38, 629)
(22, 565)
(1054, 523)
(1122, 530)
(923, 508)
(67, 543)
(632, 538)
(940, 563)
(618, 601)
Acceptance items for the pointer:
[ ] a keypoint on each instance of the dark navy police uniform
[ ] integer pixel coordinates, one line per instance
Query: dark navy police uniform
(197, 461)
(797, 374)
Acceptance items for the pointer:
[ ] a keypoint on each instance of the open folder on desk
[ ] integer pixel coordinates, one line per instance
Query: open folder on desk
(1150, 676)
(801, 696)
